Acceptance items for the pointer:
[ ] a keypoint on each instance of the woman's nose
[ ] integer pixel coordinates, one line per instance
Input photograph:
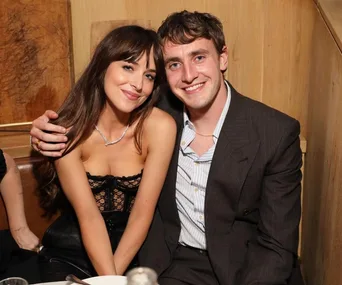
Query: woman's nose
(137, 82)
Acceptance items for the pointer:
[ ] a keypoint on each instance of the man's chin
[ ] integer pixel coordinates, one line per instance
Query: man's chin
(196, 106)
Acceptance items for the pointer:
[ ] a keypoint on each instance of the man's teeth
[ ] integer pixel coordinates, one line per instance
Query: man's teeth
(191, 88)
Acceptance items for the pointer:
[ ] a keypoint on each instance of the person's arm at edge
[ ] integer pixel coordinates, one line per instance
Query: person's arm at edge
(72, 175)
(271, 257)
(161, 133)
(12, 192)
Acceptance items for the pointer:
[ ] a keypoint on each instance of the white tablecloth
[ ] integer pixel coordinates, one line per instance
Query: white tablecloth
(99, 280)
(54, 283)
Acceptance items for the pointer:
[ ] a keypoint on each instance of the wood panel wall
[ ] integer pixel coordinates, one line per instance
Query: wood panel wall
(35, 66)
(332, 13)
(268, 41)
(322, 220)
(34, 57)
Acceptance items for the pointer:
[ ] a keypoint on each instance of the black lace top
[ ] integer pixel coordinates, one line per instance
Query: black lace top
(3, 167)
(62, 241)
(114, 193)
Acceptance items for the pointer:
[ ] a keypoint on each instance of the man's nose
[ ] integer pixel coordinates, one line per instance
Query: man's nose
(189, 73)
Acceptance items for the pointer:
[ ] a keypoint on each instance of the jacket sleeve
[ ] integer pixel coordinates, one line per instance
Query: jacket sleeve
(273, 253)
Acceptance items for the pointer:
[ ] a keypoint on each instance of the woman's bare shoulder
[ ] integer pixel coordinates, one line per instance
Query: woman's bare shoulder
(159, 119)
(160, 130)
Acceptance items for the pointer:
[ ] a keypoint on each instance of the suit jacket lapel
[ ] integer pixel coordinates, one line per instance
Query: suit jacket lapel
(235, 151)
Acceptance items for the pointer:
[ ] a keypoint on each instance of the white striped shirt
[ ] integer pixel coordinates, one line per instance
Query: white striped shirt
(192, 176)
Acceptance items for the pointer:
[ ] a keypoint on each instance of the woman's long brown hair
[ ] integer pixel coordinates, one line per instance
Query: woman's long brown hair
(82, 107)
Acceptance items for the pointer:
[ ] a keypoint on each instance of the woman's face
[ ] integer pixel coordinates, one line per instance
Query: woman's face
(128, 85)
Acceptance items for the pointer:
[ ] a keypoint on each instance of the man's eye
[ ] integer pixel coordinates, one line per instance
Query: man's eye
(199, 58)
(174, 65)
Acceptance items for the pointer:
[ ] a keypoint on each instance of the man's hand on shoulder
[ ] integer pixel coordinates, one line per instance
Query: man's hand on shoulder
(47, 138)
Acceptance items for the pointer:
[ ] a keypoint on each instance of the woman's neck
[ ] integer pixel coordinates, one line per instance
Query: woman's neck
(111, 119)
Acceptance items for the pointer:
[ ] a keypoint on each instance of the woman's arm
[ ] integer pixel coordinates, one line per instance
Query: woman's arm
(74, 181)
(160, 129)
(12, 193)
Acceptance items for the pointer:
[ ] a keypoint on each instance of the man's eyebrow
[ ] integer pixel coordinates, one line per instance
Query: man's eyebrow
(191, 54)
(171, 59)
(199, 51)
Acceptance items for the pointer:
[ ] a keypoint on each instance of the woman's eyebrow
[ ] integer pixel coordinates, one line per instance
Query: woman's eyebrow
(151, 70)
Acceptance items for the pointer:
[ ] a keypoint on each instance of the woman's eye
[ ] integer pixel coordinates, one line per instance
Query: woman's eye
(150, 77)
(128, 67)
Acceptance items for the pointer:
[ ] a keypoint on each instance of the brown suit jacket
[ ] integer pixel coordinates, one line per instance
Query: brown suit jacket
(252, 204)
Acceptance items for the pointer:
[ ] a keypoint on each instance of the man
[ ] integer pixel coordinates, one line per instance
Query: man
(230, 206)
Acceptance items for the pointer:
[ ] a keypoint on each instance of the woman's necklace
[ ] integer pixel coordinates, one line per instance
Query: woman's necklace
(107, 142)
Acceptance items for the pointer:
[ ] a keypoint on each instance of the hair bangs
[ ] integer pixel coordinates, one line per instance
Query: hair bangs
(133, 48)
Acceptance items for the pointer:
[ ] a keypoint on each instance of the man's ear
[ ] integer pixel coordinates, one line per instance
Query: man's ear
(224, 59)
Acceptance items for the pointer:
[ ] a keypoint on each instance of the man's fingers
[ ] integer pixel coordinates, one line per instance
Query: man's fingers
(46, 137)
(51, 153)
(51, 138)
(51, 146)
(43, 146)
(50, 114)
(34, 146)
(43, 125)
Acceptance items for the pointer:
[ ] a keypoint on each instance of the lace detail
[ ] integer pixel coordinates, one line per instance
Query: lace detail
(114, 193)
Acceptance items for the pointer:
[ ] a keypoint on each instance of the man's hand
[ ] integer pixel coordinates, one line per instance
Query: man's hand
(47, 138)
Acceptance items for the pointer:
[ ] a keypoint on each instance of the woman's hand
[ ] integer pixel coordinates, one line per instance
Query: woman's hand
(25, 239)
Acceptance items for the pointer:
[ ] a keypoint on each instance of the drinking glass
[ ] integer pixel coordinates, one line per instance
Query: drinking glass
(14, 281)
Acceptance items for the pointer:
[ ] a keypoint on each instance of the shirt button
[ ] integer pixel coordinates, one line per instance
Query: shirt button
(183, 143)
(201, 217)
(246, 212)
(196, 189)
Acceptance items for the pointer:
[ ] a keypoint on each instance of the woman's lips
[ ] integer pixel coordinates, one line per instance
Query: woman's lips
(131, 95)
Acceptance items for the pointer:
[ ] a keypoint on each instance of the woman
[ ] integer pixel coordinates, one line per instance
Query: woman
(112, 172)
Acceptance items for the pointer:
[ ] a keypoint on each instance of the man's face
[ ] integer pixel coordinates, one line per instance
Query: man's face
(194, 71)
